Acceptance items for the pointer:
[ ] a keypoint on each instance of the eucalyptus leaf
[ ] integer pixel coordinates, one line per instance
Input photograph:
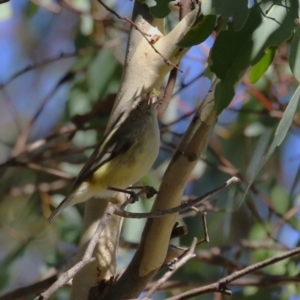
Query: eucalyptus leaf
(294, 57)
(262, 66)
(280, 134)
(233, 52)
(237, 9)
(199, 32)
(161, 9)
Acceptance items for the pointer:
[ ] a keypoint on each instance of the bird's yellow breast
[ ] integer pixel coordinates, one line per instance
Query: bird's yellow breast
(127, 168)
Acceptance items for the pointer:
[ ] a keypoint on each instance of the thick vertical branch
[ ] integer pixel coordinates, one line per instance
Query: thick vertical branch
(156, 235)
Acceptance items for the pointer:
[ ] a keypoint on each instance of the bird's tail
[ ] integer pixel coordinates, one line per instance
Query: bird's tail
(80, 194)
(59, 208)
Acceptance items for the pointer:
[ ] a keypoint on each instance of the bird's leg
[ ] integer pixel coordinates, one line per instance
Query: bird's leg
(133, 196)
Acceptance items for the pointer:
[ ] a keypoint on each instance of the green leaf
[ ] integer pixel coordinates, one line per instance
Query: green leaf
(199, 32)
(262, 66)
(280, 134)
(233, 52)
(161, 9)
(237, 9)
(286, 121)
(294, 57)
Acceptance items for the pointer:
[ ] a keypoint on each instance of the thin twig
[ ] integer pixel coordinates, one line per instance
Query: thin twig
(30, 188)
(49, 61)
(13, 111)
(204, 223)
(186, 115)
(220, 286)
(48, 170)
(86, 259)
(23, 137)
(185, 85)
(144, 34)
(206, 236)
(157, 214)
(228, 168)
(187, 256)
(259, 281)
(286, 217)
(27, 291)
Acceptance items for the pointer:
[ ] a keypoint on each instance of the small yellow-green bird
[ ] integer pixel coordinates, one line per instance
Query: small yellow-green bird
(124, 156)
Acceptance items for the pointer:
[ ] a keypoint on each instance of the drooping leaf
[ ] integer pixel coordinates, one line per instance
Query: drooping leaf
(262, 66)
(237, 9)
(161, 9)
(280, 133)
(233, 52)
(199, 33)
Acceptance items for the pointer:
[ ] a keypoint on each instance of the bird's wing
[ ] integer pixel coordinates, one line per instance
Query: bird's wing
(108, 149)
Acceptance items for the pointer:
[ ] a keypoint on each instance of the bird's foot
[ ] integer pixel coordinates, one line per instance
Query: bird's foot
(149, 191)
